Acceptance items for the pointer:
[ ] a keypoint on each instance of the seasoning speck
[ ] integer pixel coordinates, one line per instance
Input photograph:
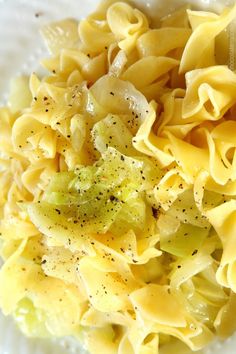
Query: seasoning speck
(194, 252)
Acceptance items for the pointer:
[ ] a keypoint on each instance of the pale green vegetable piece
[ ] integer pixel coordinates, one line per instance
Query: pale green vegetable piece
(183, 228)
(112, 131)
(185, 210)
(57, 192)
(110, 195)
(185, 241)
(31, 320)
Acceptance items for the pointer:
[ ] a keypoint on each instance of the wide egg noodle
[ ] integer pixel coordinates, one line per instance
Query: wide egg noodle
(157, 67)
(212, 26)
(208, 96)
(225, 228)
(127, 24)
(168, 39)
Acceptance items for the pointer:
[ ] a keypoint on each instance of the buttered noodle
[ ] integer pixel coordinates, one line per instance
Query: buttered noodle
(118, 184)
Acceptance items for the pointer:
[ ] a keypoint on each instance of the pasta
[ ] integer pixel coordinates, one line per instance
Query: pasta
(118, 184)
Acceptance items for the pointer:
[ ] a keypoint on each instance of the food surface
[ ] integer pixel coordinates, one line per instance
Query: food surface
(118, 184)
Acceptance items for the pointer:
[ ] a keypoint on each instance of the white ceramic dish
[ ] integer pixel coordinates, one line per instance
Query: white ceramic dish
(20, 50)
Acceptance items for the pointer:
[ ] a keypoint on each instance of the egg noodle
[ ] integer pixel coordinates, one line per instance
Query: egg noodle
(118, 184)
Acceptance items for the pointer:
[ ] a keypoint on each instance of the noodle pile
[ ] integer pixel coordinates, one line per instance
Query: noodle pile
(118, 184)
